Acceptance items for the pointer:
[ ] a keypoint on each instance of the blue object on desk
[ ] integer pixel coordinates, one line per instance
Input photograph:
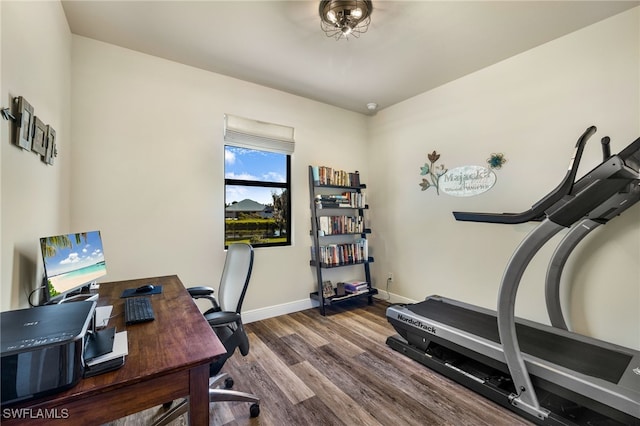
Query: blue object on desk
(157, 289)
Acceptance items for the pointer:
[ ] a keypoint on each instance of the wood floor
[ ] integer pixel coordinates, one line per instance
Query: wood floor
(337, 370)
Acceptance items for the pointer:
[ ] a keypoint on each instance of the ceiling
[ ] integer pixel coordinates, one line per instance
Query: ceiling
(411, 46)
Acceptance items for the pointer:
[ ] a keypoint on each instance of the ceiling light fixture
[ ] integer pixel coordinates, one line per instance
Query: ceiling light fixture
(344, 18)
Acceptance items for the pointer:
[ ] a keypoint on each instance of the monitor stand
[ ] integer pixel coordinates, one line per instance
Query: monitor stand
(81, 297)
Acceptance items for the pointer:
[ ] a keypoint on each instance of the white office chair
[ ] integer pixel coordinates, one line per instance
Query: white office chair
(224, 317)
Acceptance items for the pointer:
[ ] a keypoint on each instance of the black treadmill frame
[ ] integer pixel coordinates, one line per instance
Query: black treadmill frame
(601, 194)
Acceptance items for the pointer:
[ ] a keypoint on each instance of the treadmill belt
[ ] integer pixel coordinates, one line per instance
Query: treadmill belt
(587, 359)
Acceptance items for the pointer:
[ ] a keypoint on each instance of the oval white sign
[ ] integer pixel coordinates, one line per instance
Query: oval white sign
(467, 181)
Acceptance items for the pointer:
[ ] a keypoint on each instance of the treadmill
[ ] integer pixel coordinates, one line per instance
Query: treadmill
(599, 216)
(547, 374)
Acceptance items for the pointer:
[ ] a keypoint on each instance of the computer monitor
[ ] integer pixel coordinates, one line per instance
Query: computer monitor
(71, 263)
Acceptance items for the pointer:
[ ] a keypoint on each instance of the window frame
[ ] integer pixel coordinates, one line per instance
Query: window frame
(285, 186)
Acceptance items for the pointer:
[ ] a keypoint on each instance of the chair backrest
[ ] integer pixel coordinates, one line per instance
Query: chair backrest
(235, 276)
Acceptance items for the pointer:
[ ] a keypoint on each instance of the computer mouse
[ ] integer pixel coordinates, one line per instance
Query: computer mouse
(144, 288)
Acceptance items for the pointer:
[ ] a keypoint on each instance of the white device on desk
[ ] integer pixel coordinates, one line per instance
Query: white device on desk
(103, 315)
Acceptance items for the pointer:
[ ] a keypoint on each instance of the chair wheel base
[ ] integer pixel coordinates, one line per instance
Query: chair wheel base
(254, 410)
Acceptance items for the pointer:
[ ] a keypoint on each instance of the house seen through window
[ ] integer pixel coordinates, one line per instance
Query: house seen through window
(257, 190)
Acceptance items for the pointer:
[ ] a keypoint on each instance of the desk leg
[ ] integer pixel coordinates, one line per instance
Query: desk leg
(199, 395)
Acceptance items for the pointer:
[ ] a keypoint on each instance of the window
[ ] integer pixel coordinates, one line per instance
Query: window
(257, 182)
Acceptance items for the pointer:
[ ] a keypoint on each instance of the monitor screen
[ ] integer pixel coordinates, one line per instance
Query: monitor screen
(71, 262)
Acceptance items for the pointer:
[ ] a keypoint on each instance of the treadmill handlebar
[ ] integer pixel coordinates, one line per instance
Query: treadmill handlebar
(537, 211)
(606, 149)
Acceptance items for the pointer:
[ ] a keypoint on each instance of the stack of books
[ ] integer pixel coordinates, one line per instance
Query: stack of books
(346, 199)
(332, 201)
(355, 286)
(323, 175)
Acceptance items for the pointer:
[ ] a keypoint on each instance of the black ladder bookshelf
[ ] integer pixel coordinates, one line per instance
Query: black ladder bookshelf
(338, 232)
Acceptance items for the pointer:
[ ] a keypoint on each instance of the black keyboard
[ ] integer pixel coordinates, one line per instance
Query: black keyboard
(138, 309)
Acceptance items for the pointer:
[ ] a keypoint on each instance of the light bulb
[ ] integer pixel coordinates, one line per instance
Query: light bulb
(357, 13)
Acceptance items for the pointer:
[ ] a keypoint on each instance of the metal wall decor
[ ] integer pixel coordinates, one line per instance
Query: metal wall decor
(30, 132)
(432, 173)
(25, 119)
(38, 144)
(52, 150)
(496, 160)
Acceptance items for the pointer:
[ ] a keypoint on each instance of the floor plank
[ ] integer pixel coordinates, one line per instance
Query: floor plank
(337, 370)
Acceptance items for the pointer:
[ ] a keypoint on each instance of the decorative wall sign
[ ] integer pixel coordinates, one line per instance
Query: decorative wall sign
(467, 181)
(432, 173)
(31, 133)
(50, 140)
(24, 126)
(496, 160)
(39, 144)
(464, 181)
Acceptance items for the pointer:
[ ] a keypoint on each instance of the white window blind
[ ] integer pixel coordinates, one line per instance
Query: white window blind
(252, 134)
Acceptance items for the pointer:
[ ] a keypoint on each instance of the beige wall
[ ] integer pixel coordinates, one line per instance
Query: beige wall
(36, 64)
(149, 160)
(4, 135)
(532, 107)
(146, 168)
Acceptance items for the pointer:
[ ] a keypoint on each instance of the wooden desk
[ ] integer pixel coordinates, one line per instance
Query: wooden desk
(168, 359)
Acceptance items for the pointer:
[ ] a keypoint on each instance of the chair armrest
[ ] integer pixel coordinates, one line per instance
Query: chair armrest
(200, 291)
(205, 293)
(221, 318)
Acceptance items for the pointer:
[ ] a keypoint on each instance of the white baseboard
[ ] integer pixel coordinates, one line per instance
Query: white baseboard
(392, 297)
(301, 305)
(277, 310)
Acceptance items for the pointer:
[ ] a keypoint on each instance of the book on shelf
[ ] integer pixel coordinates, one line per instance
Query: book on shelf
(327, 289)
(356, 287)
(336, 225)
(315, 170)
(342, 254)
(353, 293)
(323, 175)
(333, 205)
(344, 200)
